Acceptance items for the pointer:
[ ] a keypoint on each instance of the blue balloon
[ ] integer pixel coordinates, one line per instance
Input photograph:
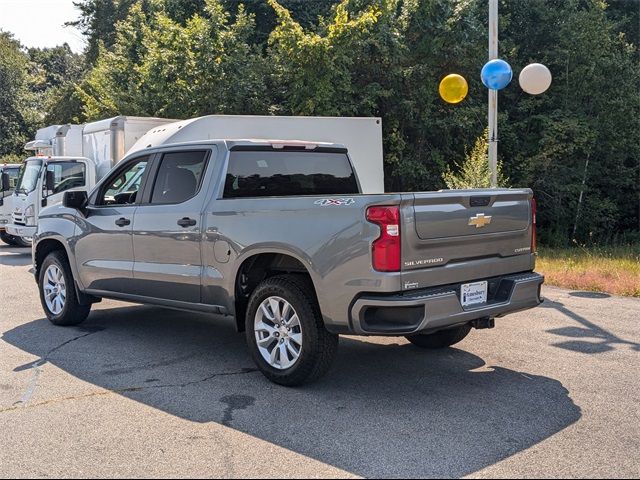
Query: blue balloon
(496, 74)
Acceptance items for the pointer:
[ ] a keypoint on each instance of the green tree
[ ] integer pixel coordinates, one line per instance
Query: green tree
(474, 172)
(159, 66)
(17, 113)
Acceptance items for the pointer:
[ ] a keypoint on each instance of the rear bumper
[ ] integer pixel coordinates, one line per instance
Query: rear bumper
(439, 308)
(21, 230)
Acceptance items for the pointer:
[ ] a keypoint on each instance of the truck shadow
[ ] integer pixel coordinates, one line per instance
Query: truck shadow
(383, 411)
(14, 256)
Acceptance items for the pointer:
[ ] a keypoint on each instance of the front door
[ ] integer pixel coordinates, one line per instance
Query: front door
(67, 175)
(104, 246)
(167, 229)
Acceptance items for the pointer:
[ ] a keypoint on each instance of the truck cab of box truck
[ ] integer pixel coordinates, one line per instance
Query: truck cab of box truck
(56, 165)
(70, 158)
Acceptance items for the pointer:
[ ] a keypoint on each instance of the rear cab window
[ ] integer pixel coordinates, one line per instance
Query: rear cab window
(179, 177)
(281, 173)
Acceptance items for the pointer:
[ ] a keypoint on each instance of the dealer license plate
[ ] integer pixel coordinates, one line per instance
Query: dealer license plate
(473, 293)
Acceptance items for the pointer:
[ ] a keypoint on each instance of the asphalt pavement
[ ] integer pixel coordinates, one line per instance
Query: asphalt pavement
(139, 391)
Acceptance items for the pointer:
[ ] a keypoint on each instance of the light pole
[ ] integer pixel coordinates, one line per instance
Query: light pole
(493, 95)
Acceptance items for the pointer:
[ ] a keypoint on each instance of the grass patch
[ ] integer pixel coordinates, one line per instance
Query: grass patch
(614, 270)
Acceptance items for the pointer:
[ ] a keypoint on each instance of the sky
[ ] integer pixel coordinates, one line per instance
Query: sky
(40, 23)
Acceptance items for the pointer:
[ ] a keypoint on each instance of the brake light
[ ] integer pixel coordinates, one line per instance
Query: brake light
(386, 248)
(534, 240)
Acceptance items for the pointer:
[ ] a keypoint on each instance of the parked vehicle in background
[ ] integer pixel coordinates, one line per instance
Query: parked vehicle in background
(9, 176)
(278, 235)
(70, 157)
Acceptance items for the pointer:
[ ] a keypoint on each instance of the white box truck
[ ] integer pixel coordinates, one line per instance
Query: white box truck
(361, 136)
(70, 157)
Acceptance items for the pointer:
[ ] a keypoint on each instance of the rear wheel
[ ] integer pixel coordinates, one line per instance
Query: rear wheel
(441, 339)
(285, 332)
(58, 293)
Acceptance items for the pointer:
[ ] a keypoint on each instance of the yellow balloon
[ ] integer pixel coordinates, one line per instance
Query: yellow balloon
(453, 88)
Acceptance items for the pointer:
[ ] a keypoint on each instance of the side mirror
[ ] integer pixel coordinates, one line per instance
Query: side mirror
(50, 181)
(77, 200)
(6, 183)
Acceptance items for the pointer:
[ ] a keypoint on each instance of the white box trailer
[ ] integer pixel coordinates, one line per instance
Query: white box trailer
(107, 141)
(362, 136)
(57, 141)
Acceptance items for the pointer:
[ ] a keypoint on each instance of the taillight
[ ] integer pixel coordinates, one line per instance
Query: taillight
(534, 244)
(386, 249)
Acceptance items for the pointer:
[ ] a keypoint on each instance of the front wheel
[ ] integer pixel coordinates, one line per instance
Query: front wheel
(441, 339)
(14, 241)
(285, 332)
(58, 293)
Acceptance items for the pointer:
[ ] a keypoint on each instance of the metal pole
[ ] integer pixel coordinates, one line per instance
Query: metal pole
(493, 95)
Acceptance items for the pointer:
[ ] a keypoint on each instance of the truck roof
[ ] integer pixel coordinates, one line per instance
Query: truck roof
(232, 143)
(52, 158)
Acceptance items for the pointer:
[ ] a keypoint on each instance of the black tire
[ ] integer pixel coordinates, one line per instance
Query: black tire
(72, 312)
(21, 242)
(441, 339)
(13, 241)
(319, 346)
(6, 238)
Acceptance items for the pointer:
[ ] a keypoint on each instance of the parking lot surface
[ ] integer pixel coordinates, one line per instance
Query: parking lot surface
(140, 391)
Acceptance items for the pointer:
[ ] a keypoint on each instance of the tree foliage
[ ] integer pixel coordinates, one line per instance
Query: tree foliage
(474, 171)
(183, 58)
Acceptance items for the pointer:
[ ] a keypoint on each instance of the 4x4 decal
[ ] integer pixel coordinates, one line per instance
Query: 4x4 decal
(334, 202)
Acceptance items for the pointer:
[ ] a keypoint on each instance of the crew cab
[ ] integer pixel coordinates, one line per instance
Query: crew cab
(277, 235)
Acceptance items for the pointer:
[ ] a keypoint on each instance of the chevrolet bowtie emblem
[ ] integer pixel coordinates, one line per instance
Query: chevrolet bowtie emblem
(480, 220)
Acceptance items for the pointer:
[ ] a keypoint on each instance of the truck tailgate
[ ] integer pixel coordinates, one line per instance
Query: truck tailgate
(463, 235)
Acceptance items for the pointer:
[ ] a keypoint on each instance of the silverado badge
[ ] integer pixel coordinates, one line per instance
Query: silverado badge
(480, 220)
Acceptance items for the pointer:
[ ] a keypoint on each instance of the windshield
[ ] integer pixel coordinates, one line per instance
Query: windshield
(28, 176)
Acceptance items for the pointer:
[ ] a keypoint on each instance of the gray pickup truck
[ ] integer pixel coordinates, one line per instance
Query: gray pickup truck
(278, 236)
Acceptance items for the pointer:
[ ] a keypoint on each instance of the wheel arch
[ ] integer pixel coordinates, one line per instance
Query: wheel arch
(258, 266)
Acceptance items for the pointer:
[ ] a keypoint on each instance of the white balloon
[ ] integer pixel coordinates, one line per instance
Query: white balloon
(535, 78)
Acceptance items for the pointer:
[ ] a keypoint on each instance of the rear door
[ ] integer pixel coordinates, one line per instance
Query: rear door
(463, 235)
(167, 229)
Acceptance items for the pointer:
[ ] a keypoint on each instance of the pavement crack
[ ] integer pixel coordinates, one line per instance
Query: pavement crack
(20, 404)
(36, 367)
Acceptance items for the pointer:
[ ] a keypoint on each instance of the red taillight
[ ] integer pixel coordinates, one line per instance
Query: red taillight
(534, 244)
(386, 249)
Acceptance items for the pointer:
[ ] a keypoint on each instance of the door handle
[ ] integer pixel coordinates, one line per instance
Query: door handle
(187, 222)
(123, 222)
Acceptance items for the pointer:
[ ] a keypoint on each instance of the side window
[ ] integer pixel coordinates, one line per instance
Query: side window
(123, 187)
(288, 173)
(13, 181)
(67, 175)
(179, 177)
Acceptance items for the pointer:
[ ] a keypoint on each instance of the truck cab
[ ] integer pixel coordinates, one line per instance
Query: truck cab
(70, 158)
(42, 181)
